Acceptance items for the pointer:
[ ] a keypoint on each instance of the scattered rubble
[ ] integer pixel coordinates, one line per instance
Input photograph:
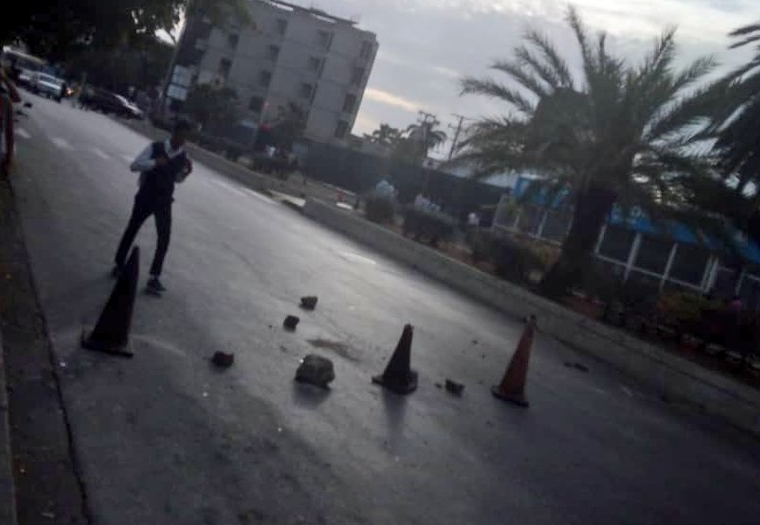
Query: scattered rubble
(291, 322)
(316, 370)
(222, 359)
(309, 302)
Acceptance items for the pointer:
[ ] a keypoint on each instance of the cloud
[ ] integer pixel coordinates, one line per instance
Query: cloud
(390, 99)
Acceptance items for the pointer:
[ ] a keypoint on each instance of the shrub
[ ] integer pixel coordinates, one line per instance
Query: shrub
(515, 259)
(434, 226)
(378, 209)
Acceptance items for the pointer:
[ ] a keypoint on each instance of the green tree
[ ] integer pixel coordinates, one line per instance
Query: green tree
(417, 140)
(620, 133)
(209, 104)
(385, 135)
(737, 194)
(289, 125)
(55, 30)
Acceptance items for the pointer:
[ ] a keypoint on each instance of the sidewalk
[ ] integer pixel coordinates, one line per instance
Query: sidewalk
(7, 486)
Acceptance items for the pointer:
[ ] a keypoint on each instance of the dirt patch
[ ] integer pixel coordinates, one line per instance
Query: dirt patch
(341, 349)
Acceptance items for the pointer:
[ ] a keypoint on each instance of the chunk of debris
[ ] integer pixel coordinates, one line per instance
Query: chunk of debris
(222, 359)
(454, 388)
(316, 370)
(576, 365)
(291, 322)
(309, 302)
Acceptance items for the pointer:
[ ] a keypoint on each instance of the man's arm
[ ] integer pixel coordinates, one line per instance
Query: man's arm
(144, 162)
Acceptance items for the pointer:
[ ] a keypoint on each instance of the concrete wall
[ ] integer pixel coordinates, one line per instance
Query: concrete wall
(680, 380)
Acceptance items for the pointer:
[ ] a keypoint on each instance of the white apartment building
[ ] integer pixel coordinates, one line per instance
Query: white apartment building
(289, 54)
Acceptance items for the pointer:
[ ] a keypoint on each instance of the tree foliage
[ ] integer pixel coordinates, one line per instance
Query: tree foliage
(289, 125)
(58, 29)
(207, 103)
(620, 132)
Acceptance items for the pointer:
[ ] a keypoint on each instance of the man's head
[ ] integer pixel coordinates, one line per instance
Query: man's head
(180, 132)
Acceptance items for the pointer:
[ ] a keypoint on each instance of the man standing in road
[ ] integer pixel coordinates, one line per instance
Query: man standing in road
(161, 165)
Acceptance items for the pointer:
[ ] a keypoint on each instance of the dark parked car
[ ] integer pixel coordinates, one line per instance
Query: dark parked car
(107, 102)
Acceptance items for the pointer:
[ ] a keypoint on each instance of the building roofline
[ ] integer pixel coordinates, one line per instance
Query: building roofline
(313, 11)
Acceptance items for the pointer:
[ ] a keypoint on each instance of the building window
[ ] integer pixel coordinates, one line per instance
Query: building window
(274, 52)
(341, 129)
(653, 254)
(366, 50)
(324, 39)
(617, 243)
(556, 225)
(530, 218)
(265, 78)
(233, 40)
(689, 264)
(282, 26)
(349, 104)
(256, 104)
(307, 90)
(225, 65)
(357, 76)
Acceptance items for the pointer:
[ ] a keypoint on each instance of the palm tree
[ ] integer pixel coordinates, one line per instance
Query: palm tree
(417, 141)
(385, 135)
(619, 133)
(738, 140)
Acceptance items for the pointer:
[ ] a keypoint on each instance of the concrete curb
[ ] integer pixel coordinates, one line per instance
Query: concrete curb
(676, 378)
(7, 485)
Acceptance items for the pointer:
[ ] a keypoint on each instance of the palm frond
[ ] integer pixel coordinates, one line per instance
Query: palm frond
(523, 77)
(550, 54)
(544, 72)
(493, 89)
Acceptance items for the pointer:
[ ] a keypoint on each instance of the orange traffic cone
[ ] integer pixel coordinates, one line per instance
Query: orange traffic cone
(512, 386)
(398, 376)
(111, 334)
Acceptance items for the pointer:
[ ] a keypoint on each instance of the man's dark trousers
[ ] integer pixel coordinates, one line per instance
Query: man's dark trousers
(145, 206)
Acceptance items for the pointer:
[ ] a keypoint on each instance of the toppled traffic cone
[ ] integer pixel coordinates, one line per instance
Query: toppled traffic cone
(111, 333)
(398, 376)
(291, 322)
(309, 302)
(512, 386)
(222, 359)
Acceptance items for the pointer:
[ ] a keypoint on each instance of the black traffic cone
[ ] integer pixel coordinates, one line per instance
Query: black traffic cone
(111, 334)
(398, 376)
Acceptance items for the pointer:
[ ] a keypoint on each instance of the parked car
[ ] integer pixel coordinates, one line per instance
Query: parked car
(107, 102)
(47, 86)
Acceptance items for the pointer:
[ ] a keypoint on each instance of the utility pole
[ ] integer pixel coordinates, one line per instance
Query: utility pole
(458, 132)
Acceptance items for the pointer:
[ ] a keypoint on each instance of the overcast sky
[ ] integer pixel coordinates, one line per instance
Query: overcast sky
(427, 45)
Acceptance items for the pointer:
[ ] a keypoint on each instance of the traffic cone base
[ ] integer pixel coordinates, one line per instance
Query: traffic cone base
(123, 350)
(111, 333)
(517, 398)
(399, 387)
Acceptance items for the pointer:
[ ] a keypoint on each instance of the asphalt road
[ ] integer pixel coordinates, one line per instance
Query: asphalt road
(165, 439)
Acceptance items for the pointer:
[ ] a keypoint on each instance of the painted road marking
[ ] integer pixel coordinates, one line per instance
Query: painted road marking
(355, 257)
(259, 196)
(100, 153)
(126, 158)
(61, 143)
(21, 132)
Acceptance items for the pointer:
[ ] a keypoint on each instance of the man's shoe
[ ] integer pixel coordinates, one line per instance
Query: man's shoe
(154, 285)
(116, 272)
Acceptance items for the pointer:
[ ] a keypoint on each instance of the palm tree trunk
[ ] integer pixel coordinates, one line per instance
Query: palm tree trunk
(592, 207)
